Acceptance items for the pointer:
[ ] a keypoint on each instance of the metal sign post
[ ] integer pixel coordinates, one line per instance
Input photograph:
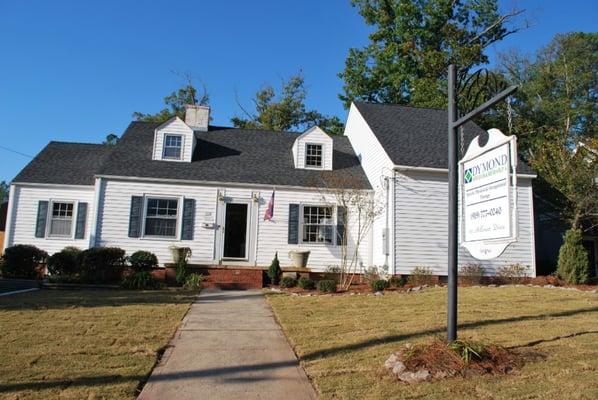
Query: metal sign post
(454, 122)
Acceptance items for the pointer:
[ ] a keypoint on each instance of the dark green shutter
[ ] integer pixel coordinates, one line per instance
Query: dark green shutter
(341, 219)
(188, 219)
(81, 218)
(42, 216)
(135, 216)
(293, 224)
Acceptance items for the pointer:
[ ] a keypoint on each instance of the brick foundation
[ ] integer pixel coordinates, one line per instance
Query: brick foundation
(224, 277)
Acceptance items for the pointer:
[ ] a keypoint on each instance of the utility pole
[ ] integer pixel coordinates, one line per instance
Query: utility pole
(454, 122)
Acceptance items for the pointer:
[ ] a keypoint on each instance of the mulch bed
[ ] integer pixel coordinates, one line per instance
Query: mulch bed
(435, 360)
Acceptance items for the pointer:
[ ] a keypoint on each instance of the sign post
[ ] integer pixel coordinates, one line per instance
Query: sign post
(454, 122)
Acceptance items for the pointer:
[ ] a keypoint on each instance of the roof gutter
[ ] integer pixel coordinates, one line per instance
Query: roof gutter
(407, 168)
(216, 183)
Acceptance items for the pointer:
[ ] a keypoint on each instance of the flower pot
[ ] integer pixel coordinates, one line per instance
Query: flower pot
(299, 258)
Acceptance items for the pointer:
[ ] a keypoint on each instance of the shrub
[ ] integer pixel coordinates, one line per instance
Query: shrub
(468, 350)
(397, 281)
(274, 272)
(573, 265)
(512, 273)
(333, 273)
(194, 282)
(141, 280)
(306, 283)
(65, 262)
(326, 285)
(472, 274)
(21, 260)
(143, 261)
(379, 285)
(181, 255)
(102, 264)
(288, 281)
(421, 276)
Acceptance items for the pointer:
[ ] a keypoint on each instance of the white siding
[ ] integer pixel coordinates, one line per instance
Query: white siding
(377, 165)
(313, 135)
(24, 215)
(422, 219)
(176, 127)
(265, 237)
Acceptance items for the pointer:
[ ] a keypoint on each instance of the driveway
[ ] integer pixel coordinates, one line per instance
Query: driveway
(229, 347)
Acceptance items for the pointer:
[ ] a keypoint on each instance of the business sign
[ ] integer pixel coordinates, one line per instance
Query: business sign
(488, 195)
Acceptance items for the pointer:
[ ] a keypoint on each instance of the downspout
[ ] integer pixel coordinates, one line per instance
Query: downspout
(9, 218)
(387, 234)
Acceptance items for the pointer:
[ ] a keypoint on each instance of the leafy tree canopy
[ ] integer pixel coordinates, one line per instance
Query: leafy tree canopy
(413, 43)
(285, 111)
(175, 104)
(111, 139)
(556, 109)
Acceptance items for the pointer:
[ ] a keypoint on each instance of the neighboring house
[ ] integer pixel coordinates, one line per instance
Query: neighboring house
(185, 183)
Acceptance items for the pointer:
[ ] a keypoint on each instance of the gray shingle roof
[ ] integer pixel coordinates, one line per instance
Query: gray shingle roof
(416, 137)
(230, 155)
(65, 163)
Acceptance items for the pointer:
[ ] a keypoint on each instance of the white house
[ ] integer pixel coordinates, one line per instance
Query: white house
(186, 183)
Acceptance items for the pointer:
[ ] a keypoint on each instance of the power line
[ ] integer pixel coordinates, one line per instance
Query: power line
(16, 152)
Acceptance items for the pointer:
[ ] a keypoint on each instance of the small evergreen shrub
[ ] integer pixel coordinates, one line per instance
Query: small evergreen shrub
(141, 280)
(573, 265)
(514, 273)
(274, 272)
(306, 283)
(194, 282)
(102, 264)
(326, 285)
(143, 261)
(379, 285)
(288, 282)
(21, 260)
(65, 262)
(397, 281)
(421, 276)
(472, 274)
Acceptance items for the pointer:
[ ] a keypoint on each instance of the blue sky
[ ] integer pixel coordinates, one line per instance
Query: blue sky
(77, 70)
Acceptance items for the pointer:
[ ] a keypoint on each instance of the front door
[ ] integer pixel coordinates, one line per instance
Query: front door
(235, 231)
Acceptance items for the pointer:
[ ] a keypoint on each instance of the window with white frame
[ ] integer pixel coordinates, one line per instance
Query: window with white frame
(173, 145)
(61, 219)
(313, 155)
(318, 224)
(161, 217)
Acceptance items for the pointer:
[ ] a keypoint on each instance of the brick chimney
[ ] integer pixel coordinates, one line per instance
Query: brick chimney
(197, 117)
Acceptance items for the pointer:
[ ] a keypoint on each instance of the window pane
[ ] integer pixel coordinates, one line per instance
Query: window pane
(313, 155)
(172, 146)
(60, 227)
(161, 217)
(160, 227)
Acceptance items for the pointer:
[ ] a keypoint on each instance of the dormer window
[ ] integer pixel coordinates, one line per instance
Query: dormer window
(313, 155)
(172, 147)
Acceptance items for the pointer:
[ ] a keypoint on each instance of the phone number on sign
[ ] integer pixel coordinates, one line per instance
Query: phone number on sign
(486, 213)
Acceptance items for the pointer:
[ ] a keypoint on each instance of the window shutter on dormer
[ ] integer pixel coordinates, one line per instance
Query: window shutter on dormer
(341, 220)
(42, 216)
(293, 237)
(135, 216)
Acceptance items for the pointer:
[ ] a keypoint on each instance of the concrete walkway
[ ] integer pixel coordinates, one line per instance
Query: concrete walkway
(229, 347)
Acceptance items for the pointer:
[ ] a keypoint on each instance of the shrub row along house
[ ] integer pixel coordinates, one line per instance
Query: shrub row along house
(238, 196)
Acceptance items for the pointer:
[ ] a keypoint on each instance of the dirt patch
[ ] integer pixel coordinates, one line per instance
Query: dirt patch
(436, 360)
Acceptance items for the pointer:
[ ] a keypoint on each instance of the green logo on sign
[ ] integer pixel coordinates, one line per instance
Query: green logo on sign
(468, 176)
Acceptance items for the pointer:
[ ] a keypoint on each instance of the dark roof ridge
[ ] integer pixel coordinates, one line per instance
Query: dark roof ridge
(367, 103)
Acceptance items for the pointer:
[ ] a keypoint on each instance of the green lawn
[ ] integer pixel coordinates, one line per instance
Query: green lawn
(344, 340)
(83, 344)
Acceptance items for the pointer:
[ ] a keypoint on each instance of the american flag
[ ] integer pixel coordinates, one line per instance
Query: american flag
(270, 210)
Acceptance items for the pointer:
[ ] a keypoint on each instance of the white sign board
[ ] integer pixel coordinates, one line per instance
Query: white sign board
(488, 195)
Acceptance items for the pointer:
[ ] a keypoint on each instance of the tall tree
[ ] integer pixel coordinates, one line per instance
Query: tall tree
(4, 190)
(556, 109)
(175, 104)
(286, 111)
(413, 43)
